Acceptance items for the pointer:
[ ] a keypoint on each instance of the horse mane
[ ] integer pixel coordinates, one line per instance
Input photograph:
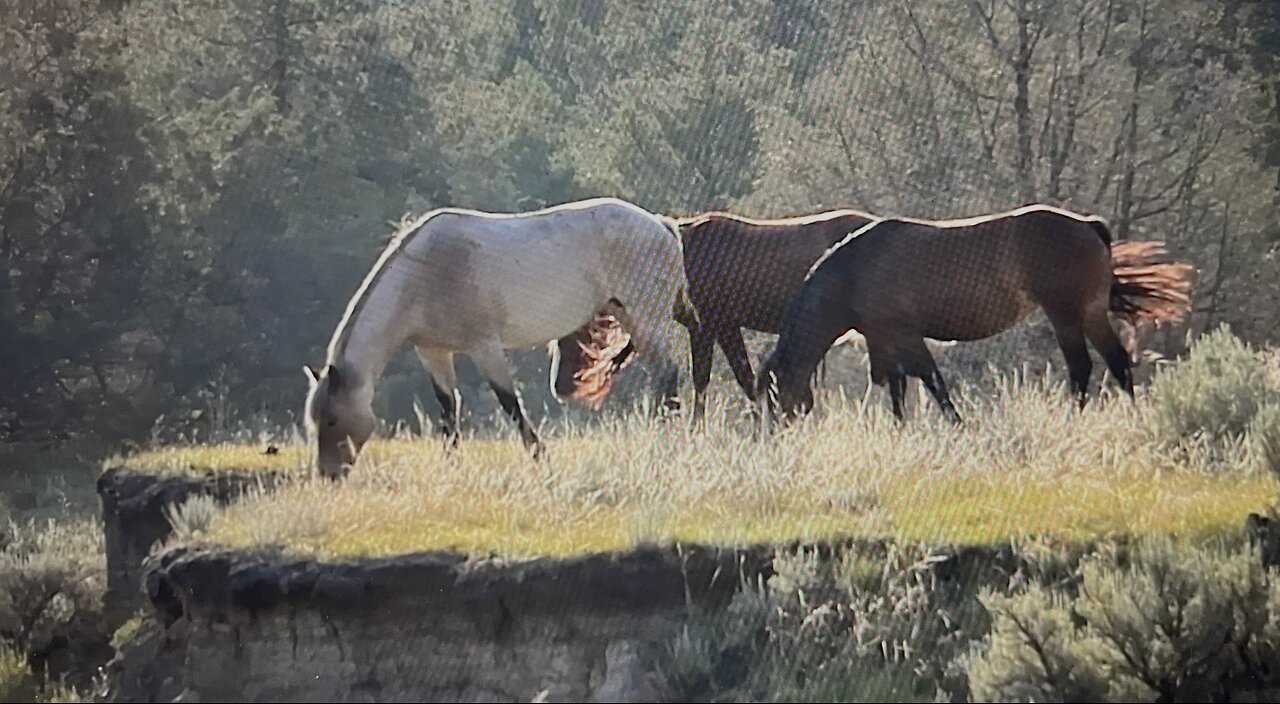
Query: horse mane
(404, 230)
(991, 217)
(702, 219)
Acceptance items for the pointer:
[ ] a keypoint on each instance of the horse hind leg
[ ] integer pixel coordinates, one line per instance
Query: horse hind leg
(1070, 335)
(495, 367)
(444, 382)
(735, 352)
(886, 368)
(898, 392)
(1104, 339)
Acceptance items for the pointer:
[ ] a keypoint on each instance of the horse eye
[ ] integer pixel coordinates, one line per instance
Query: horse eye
(332, 423)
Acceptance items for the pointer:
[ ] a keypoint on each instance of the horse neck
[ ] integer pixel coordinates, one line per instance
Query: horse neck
(804, 345)
(803, 357)
(373, 330)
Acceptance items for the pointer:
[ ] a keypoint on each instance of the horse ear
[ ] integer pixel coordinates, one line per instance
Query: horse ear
(335, 381)
(310, 371)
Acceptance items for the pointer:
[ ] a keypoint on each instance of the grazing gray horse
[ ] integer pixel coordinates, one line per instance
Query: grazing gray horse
(483, 284)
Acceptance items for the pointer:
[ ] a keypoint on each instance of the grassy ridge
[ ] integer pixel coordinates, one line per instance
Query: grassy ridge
(398, 517)
(1026, 463)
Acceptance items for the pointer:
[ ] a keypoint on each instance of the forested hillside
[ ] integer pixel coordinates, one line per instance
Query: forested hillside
(191, 190)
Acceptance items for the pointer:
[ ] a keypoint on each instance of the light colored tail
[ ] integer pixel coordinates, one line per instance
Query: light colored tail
(604, 348)
(1148, 288)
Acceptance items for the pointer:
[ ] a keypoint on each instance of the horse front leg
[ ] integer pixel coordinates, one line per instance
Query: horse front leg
(654, 335)
(664, 364)
(702, 354)
(917, 361)
(735, 352)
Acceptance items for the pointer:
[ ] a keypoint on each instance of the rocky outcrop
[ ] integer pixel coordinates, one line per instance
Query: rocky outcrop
(134, 521)
(423, 627)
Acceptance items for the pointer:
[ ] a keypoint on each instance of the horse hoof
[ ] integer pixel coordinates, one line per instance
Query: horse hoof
(337, 476)
(537, 451)
(451, 444)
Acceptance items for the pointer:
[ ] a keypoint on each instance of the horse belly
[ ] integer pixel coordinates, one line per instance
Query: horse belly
(542, 311)
(976, 316)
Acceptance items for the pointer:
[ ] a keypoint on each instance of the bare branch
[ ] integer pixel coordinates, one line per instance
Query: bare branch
(941, 67)
(1144, 214)
(1048, 133)
(1106, 29)
(987, 18)
(922, 58)
(1104, 180)
(1201, 150)
(1219, 265)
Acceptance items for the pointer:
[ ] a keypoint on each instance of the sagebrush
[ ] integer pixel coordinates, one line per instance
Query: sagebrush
(1163, 622)
(52, 581)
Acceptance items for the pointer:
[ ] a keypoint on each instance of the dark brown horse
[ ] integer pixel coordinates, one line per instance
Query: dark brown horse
(742, 273)
(898, 281)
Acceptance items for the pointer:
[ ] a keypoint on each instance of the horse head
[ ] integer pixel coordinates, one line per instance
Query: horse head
(339, 419)
(782, 385)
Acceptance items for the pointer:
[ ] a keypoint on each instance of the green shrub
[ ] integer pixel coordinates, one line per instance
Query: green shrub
(192, 517)
(1165, 623)
(713, 649)
(855, 629)
(52, 580)
(1264, 434)
(17, 684)
(127, 630)
(1209, 400)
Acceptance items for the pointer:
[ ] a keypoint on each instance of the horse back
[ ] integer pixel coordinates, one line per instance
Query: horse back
(743, 272)
(966, 280)
(530, 277)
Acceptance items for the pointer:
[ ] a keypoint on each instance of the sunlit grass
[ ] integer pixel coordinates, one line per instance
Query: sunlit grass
(199, 459)
(1026, 463)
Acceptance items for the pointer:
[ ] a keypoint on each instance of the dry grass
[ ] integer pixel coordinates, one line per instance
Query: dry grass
(1026, 463)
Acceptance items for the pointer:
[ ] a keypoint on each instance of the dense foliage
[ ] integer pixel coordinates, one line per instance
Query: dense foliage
(191, 190)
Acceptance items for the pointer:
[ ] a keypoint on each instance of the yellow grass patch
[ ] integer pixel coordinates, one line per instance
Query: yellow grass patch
(198, 459)
(1026, 463)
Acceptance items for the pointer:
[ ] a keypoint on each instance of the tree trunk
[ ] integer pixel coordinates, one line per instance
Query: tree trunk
(280, 42)
(1022, 104)
(1125, 221)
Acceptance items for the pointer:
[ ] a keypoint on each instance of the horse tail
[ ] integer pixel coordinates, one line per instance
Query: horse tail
(1147, 287)
(604, 348)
